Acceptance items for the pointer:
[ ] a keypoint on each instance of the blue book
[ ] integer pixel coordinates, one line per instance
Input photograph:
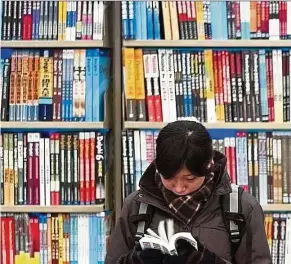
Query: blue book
(125, 20)
(263, 85)
(64, 85)
(223, 20)
(150, 20)
(138, 21)
(215, 16)
(104, 81)
(89, 86)
(96, 84)
(143, 18)
(131, 20)
(156, 24)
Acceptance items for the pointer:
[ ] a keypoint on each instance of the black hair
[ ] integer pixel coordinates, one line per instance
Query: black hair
(183, 143)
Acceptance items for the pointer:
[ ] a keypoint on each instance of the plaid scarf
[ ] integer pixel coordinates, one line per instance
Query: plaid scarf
(186, 207)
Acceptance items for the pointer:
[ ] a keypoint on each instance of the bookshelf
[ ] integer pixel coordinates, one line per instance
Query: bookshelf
(240, 126)
(102, 130)
(54, 44)
(54, 125)
(53, 209)
(207, 43)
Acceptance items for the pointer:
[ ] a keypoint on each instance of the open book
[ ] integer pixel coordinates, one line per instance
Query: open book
(166, 240)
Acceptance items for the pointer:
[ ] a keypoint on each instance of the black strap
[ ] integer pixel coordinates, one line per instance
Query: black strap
(142, 220)
(235, 235)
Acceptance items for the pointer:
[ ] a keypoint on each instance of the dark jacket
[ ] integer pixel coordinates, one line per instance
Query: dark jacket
(208, 225)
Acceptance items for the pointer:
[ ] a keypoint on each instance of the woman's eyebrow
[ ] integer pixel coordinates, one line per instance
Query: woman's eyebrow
(188, 175)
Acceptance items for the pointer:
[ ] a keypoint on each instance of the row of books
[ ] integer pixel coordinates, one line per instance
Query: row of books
(257, 161)
(54, 238)
(53, 169)
(278, 230)
(206, 20)
(54, 85)
(212, 85)
(53, 20)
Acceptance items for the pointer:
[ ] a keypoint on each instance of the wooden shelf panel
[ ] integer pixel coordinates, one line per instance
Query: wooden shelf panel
(54, 44)
(52, 209)
(207, 43)
(242, 126)
(100, 208)
(53, 125)
(277, 207)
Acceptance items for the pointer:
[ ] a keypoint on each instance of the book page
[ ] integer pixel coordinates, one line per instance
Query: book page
(148, 242)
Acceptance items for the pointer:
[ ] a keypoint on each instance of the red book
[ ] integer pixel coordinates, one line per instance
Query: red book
(237, 19)
(82, 167)
(267, 16)
(156, 86)
(11, 239)
(149, 89)
(92, 169)
(233, 160)
(57, 169)
(270, 78)
(220, 83)
(87, 168)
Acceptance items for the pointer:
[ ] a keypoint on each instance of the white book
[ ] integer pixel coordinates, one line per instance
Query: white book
(278, 86)
(41, 172)
(101, 10)
(47, 171)
(95, 19)
(20, 167)
(52, 171)
(73, 29)
(68, 29)
(166, 240)
(289, 18)
(76, 84)
(171, 85)
(164, 84)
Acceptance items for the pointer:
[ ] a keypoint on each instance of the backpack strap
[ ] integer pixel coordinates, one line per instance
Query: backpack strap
(142, 220)
(141, 224)
(233, 218)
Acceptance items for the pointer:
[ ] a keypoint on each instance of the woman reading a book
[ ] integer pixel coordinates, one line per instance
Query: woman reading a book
(185, 185)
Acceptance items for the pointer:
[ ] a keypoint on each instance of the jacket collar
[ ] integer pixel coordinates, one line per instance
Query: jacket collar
(148, 183)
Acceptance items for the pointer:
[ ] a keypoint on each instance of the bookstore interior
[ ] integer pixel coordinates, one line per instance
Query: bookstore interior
(74, 145)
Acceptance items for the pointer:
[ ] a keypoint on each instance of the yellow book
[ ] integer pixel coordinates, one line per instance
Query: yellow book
(60, 21)
(64, 20)
(174, 20)
(45, 89)
(129, 82)
(211, 116)
(36, 259)
(61, 235)
(49, 239)
(6, 170)
(167, 20)
(200, 20)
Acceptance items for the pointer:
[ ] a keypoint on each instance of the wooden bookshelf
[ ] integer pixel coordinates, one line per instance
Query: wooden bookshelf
(242, 126)
(208, 43)
(277, 208)
(52, 209)
(53, 125)
(54, 44)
